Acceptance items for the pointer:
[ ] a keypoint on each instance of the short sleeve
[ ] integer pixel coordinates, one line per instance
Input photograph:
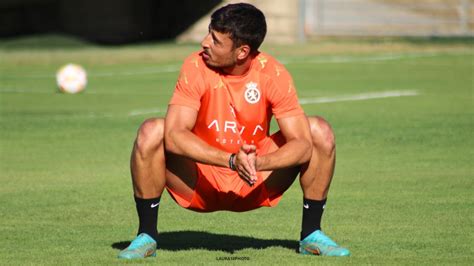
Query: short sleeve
(189, 87)
(282, 95)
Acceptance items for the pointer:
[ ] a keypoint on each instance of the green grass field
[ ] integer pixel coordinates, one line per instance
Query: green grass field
(402, 192)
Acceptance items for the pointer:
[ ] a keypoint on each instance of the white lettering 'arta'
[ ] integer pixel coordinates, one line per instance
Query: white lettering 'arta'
(232, 126)
(252, 94)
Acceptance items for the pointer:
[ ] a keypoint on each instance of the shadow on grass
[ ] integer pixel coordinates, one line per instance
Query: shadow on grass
(186, 240)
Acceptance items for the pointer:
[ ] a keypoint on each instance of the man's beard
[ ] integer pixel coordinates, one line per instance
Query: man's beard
(228, 63)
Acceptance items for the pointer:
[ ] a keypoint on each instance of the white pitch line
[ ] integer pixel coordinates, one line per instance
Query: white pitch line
(165, 69)
(354, 59)
(156, 70)
(303, 101)
(21, 90)
(359, 97)
(146, 111)
(286, 61)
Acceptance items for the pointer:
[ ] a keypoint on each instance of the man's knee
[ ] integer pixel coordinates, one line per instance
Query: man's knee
(322, 134)
(149, 135)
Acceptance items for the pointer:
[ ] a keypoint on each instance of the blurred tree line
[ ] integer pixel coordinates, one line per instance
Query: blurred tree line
(102, 21)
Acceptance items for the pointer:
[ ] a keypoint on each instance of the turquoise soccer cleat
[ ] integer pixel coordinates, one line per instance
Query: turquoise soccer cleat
(141, 247)
(317, 243)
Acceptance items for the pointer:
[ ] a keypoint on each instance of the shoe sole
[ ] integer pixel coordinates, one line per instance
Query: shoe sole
(309, 251)
(148, 253)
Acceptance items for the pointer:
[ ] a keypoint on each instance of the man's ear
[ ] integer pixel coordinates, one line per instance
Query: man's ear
(243, 52)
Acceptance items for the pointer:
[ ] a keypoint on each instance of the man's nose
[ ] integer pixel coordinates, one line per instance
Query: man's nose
(206, 41)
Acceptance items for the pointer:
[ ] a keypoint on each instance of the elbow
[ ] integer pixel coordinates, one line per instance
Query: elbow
(307, 151)
(170, 145)
(177, 142)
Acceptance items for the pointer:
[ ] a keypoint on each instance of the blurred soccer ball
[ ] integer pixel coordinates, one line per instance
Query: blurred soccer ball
(71, 78)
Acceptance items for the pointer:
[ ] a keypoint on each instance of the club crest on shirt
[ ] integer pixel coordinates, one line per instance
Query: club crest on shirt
(252, 94)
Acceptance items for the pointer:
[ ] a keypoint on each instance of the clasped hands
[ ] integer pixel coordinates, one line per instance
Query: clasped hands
(245, 162)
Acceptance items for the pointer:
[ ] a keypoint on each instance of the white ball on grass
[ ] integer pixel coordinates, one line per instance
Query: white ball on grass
(71, 78)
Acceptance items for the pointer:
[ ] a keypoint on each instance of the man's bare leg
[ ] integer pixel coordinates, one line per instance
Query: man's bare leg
(151, 170)
(147, 162)
(316, 175)
(315, 179)
(149, 175)
(147, 166)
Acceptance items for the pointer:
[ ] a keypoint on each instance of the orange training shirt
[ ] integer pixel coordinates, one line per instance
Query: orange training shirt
(236, 110)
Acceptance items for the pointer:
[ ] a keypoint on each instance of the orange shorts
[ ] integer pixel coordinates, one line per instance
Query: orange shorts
(219, 188)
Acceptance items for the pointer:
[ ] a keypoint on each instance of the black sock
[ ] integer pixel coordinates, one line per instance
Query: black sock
(147, 210)
(312, 213)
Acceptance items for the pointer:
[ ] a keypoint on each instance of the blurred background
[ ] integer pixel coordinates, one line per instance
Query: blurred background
(393, 77)
(117, 22)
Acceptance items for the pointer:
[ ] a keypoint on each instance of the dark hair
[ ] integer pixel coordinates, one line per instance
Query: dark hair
(244, 23)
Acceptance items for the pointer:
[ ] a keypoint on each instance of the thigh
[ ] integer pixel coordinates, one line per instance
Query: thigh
(278, 181)
(181, 175)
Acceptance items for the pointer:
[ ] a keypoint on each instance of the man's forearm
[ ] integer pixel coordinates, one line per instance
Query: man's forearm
(294, 152)
(185, 143)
